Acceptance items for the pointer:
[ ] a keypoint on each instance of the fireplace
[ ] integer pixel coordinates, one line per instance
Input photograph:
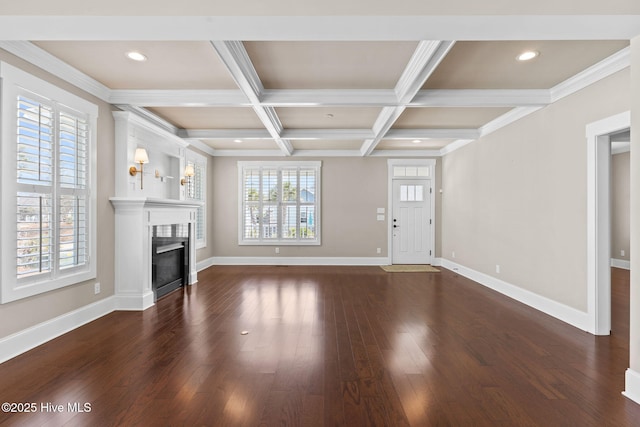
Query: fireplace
(169, 258)
(154, 254)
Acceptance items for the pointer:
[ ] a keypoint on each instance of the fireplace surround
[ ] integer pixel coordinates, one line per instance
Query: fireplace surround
(135, 222)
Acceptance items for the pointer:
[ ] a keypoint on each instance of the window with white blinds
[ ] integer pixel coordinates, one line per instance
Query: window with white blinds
(196, 190)
(279, 203)
(50, 161)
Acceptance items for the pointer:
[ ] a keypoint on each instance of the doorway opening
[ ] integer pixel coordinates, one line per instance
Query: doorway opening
(599, 253)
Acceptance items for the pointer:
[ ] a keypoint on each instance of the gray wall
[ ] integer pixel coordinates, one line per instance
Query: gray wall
(352, 189)
(517, 198)
(19, 315)
(620, 206)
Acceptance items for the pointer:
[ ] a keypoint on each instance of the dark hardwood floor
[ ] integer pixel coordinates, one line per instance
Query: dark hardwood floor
(329, 346)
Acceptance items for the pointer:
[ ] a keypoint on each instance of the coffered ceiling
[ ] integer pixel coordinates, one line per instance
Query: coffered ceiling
(351, 96)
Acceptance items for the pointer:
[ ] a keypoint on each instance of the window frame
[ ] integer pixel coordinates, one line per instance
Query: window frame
(279, 166)
(16, 82)
(199, 163)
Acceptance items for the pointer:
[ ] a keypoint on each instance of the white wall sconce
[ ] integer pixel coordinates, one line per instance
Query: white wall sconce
(188, 173)
(142, 158)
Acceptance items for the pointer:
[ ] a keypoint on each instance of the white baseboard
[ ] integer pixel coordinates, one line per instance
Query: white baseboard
(621, 263)
(29, 338)
(295, 261)
(436, 262)
(134, 302)
(632, 385)
(567, 314)
(205, 263)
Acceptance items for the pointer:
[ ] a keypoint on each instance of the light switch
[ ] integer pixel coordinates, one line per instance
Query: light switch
(380, 217)
(380, 210)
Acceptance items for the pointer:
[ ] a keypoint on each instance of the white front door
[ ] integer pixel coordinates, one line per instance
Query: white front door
(411, 221)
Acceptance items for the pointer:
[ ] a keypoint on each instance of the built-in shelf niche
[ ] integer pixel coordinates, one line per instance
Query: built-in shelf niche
(161, 176)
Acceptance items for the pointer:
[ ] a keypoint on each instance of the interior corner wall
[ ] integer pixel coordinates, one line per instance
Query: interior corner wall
(352, 190)
(22, 314)
(517, 198)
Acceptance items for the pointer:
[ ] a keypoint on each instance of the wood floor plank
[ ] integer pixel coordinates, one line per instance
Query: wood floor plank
(330, 346)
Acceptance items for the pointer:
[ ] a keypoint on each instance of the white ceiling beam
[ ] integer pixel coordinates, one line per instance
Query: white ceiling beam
(225, 133)
(330, 134)
(238, 63)
(424, 61)
(179, 98)
(332, 97)
(481, 98)
(580, 25)
(329, 97)
(327, 134)
(410, 134)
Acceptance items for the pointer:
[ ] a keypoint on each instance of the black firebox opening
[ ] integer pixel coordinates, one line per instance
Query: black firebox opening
(170, 258)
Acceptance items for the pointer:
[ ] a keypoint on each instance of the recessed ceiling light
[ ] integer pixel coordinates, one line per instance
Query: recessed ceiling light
(329, 116)
(528, 55)
(237, 141)
(136, 56)
(416, 141)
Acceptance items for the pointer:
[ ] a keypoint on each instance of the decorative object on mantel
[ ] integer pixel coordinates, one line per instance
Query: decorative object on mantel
(161, 177)
(142, 158)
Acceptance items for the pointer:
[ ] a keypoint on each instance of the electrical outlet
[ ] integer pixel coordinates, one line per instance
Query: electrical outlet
(497, 269)
(622, 252)
(277, 250)
(378, 250)
(453, 254)
(96, 288)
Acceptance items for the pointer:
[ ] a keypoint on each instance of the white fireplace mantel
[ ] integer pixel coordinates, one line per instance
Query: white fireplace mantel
(135, 218)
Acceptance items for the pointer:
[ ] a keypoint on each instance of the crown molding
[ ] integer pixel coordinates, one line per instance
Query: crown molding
(145, 123)
(150, 117)
(605, 68)
(196, 143)
(264, 102)
(506, 119)
(49, 63)
(608, 66)
(455, 145)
